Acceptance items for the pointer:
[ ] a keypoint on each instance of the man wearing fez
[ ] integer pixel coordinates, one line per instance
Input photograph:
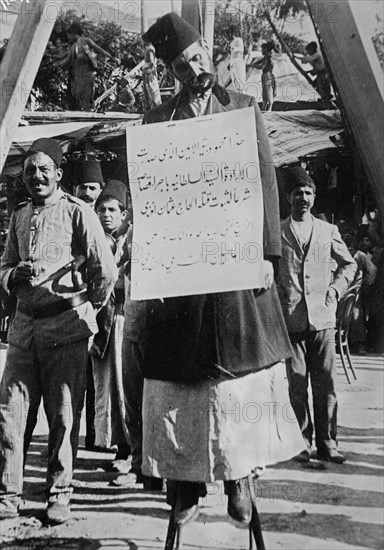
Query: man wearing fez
(90, 181)
(315, 271)
(61, 270)
(204, 356)
(110, 427)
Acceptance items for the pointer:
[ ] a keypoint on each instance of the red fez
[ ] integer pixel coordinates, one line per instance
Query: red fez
(114, 189)
(49, 146)
(170, 35)
(89, 171)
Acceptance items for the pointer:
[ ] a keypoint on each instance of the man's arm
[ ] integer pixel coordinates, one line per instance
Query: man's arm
(10, 258)
(259, 64)
(98, 49)
(346, 265)
(101, 268)
(310, 58)
(67, 59)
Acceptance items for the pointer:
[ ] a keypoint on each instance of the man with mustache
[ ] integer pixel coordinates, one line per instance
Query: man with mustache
(54, 318)
(90, 181)
(315, 271)
(204, 355)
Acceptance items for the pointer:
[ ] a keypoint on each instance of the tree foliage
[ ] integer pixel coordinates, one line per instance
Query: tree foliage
(378, 38)
(290, 8)
(253, 19)
(50, 84)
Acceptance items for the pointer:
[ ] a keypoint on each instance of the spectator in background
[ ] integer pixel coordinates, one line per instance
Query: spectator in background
(366, 274)
(124, 99)
(152, 97)
(322, 82)
(89, 182)
(253, 49)
(110, 428)
(309, 290)
(376, 318)
(268, 80)
(236, 61)
(82, 64)
(365, 245)
(333, 195)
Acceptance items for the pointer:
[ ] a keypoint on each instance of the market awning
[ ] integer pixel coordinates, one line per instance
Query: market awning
(295, 134)
(292, 134)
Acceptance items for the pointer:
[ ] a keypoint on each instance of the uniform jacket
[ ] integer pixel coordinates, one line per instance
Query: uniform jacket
(208, 335)
(305, 276)
(50, 237)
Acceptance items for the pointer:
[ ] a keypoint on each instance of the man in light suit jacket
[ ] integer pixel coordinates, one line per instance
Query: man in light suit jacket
(315, 271)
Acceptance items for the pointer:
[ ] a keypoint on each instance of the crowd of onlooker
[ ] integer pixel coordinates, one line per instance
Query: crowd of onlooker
(366, 244)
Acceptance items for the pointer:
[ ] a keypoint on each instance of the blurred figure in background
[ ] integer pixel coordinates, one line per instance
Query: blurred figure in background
(268, 80)
(89, 181)
(236, 62)
(124, 98)
(366, 274)
(322, 82)
(375, 337)
(110, 428)
(253, 48)
(152, 97)
(82, 64)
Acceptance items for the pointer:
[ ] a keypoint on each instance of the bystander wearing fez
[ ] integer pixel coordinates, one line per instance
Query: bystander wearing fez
(315, 270)
(49, 237)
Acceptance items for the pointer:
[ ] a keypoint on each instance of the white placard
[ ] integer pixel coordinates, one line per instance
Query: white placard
(197, 206)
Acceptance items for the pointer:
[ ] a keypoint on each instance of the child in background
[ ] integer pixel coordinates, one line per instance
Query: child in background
(365, 245)
(110, 428)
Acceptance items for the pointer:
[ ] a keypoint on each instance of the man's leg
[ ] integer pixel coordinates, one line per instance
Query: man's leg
(322, 360)
(297, 373)
(63, 373)
(90, 407)
(20, 384)
(32, 417)
(133, 389)
(324, 89)
(102, 399)
(119, 428)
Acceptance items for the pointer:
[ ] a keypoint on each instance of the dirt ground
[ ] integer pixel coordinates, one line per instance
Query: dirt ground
(318, 507)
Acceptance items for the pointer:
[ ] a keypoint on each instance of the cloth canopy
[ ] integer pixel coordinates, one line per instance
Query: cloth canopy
(292, 134)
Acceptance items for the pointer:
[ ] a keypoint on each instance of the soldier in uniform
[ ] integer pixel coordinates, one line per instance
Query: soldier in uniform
(49, 236)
